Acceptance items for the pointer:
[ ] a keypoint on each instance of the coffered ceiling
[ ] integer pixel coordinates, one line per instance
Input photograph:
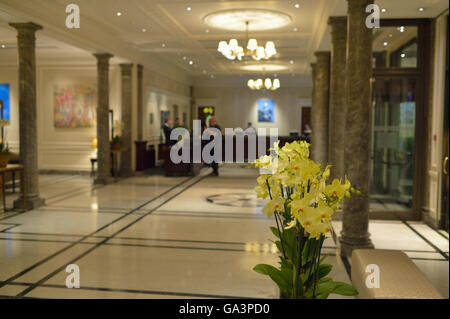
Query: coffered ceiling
(175, 32)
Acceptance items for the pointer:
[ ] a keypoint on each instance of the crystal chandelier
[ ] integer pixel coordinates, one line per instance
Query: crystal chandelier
(233, 51)
(268, 84)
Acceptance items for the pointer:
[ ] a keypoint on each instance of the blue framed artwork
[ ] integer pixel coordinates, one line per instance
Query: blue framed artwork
(266, 111)
(4, 96)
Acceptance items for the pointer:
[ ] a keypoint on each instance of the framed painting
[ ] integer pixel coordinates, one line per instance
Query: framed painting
(4, 98)
(74, 106)
(266, 110)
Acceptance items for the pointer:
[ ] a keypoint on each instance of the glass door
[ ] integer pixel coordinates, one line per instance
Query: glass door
(393, 144)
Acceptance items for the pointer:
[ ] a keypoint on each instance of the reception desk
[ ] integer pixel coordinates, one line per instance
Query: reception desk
(235, 143)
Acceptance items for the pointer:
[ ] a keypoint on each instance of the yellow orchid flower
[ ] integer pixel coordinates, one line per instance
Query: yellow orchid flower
(336, 189)
(298, 206)
(261, 192)
(272, 205)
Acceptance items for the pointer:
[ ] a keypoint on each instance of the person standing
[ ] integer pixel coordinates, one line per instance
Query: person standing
(213, 124)
(167, 127)
(250, 129)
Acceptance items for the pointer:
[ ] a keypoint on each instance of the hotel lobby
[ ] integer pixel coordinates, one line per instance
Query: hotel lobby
(98, 99)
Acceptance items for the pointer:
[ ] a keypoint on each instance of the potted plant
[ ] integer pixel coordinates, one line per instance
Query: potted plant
(5, 154)
(116, 141)
(302, 202)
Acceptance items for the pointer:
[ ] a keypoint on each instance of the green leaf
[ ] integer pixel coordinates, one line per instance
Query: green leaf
(322, 295)
(325, 288)
(324, 270)
(341, 288)
(263, 269)
(279, 277)
(275, 231)
(325, 279)
(285, 264)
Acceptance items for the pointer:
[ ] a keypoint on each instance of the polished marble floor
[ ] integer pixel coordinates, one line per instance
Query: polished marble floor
(158, 237)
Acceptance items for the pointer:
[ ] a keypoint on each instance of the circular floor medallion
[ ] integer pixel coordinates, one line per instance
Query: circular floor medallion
(236, 200)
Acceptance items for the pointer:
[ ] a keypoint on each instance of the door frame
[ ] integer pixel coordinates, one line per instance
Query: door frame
(422, 75)
(444, 213)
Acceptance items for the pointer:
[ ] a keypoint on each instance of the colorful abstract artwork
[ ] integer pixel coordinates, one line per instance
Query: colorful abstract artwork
(74, 106)
(4, 97)
(266, 111)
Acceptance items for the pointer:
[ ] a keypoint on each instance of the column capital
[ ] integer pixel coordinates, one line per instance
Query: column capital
(26, 26)
(358, 5)
(103, 57)
(338, 26)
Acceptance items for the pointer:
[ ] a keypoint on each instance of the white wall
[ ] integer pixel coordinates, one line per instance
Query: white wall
(157, 100)
(70, 149)
(236, 106)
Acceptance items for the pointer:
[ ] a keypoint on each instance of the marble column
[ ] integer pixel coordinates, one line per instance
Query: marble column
(319, 111)
(140, 106)
(313, 79)
(104, 145)
(357, 128)
(337, 96)
(126, 169)
(26, 43)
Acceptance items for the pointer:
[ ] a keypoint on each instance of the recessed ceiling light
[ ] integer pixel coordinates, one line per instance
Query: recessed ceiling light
(204, 71)
(403, 55)
(383, 10)
(3, 46)
(163, 45)
(144, 30)
(184, 58)
(401, 29)
(295, 29)
(390, 35)
(119, 14)
(297, 5)
(191, 62)
(291, 62)
(212, 76)
(421, 9)
(207, 30)
(385, 44)
(188, 8)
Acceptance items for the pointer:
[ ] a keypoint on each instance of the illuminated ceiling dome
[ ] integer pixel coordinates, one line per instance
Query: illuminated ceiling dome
(259, 19)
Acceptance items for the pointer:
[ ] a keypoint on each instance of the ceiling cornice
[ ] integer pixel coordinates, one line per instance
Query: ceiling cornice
(319, 29)
(91, 37)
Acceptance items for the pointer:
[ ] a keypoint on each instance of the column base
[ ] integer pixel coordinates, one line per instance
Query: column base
(103, 180)
(347, 245)
(29, 202)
